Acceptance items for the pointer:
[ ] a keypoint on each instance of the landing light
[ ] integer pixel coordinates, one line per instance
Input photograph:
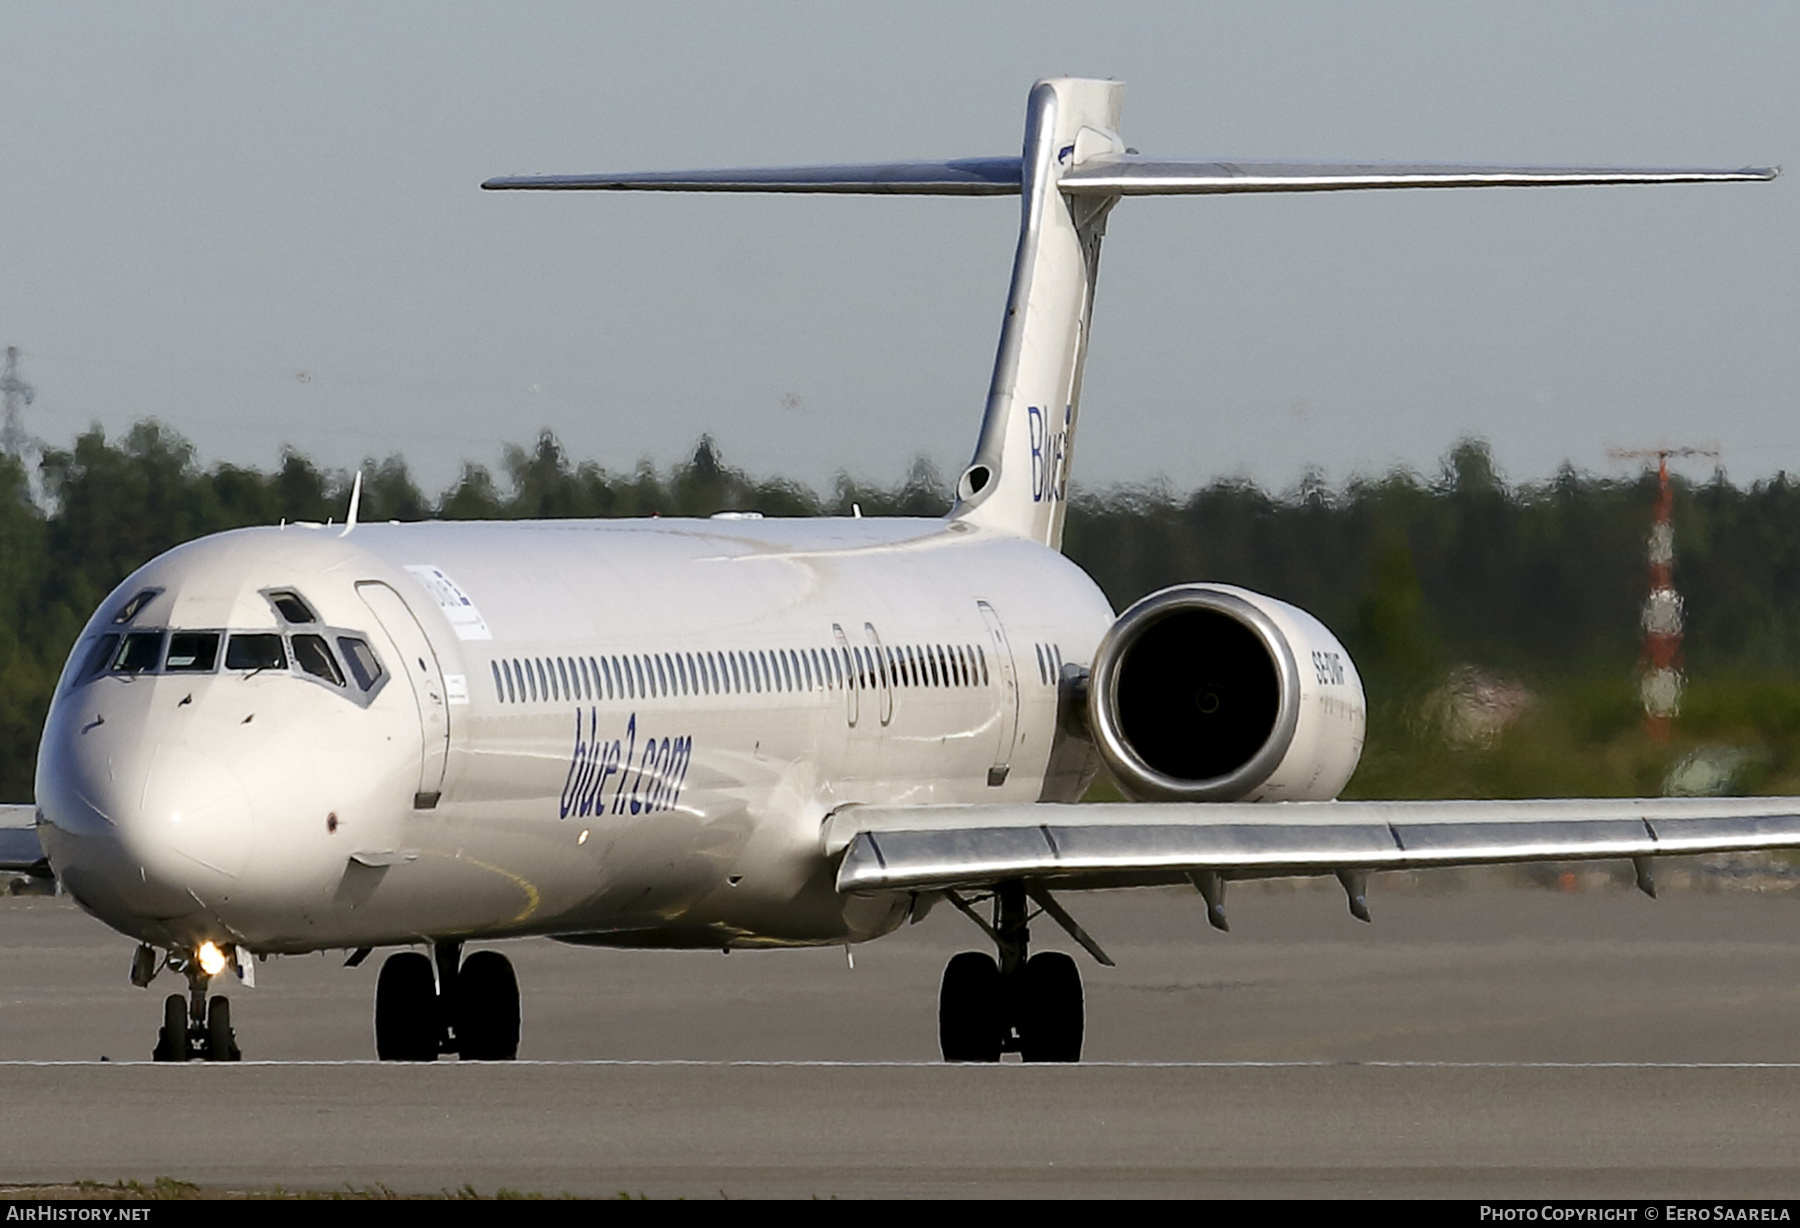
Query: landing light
(212, 960)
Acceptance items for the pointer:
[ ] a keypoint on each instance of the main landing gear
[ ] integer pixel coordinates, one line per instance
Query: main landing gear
(194, 1026)
(1025, 1004)
(469, 1007)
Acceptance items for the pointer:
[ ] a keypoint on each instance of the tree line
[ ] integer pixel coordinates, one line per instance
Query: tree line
(1418, 574)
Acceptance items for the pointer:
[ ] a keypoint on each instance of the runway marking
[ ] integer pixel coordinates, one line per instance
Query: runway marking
(922, 1065)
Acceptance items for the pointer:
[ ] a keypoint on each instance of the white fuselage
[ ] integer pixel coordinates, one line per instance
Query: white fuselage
(625, 732)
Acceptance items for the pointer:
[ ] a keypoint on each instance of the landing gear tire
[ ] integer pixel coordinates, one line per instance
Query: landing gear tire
(487, 1008)
(970, 1026)
(172, 1041)
(221, 1041)
(409, 1027)
(1051, 1012)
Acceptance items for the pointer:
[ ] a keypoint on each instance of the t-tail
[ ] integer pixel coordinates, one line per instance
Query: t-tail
(1073, 169)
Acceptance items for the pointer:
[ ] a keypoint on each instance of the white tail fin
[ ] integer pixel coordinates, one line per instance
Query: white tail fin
(1018, 482)
(1073, 171)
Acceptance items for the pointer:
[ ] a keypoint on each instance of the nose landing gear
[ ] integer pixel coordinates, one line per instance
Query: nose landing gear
(1025, 1004)
(469, 1007)
(195, 1027)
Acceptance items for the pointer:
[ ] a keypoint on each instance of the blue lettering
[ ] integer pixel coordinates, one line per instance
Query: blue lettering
(1049, 455)
(656, 776)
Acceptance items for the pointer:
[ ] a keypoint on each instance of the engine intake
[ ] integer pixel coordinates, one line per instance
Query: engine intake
(1209, 693)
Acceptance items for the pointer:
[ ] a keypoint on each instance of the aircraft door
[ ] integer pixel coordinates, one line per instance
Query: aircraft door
(882, 673)
(1007, 683)
(418, 661)
(852, 685)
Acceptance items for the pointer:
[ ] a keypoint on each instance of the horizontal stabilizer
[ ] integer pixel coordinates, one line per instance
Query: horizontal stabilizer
(961, 177)
(922, 848)
(1137, 175)
(1116, 175)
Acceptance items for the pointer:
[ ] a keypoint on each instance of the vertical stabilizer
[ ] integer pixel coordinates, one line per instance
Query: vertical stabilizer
(1018, 480)
(1073, 170)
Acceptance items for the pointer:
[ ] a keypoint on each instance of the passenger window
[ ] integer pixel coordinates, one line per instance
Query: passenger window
(193, 651)
(562, 674)
(499, 688)
(291, 607)
(140, 651)
(255, 652)
(362, 662)
(311, 654)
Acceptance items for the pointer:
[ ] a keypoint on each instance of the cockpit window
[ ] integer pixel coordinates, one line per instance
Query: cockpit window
(140, 651)
(255, 652)
(361, 660)
(193, 651)
(313, 656)
(292, 607)
(131, 609)
(99, 656)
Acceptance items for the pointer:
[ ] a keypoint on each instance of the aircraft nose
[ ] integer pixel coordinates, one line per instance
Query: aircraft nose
(196, 808)
(141, 827)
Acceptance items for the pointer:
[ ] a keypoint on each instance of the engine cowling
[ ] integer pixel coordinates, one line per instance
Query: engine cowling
(1210, 693)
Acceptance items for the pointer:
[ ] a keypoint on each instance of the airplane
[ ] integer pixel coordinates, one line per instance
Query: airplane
(738, 732)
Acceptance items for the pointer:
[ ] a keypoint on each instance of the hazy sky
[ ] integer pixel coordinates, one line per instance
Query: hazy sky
(262, 225)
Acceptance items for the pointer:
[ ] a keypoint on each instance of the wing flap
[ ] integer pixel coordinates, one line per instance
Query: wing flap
(934, 847)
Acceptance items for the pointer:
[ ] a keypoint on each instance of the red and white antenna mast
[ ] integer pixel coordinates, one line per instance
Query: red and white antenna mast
(1661, 663)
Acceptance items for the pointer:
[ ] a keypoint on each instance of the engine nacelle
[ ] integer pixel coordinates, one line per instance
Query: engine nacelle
(1209, 693)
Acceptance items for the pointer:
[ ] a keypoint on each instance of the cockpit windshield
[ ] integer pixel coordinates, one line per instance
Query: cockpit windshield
(351, 668)
(193, 652)
(255, 652)
(141, 651)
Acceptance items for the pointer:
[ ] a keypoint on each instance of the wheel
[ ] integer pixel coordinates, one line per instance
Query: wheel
(969, 1023)
(408, 1024)
(1051, 1015)
(172, 1041)
(221, 1041)
(487, 1008)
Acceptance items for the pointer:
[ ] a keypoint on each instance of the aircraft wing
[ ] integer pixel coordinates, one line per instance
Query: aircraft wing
(20, 852)
(925, 848)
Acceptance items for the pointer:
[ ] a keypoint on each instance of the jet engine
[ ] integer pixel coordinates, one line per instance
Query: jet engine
(1209, 693)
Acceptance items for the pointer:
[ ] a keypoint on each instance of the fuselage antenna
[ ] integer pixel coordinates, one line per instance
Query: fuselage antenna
(355, 503)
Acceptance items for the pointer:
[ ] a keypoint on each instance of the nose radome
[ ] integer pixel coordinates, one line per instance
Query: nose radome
(196, 807)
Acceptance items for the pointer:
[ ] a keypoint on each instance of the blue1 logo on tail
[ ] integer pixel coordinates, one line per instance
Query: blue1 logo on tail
(1049, 455)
